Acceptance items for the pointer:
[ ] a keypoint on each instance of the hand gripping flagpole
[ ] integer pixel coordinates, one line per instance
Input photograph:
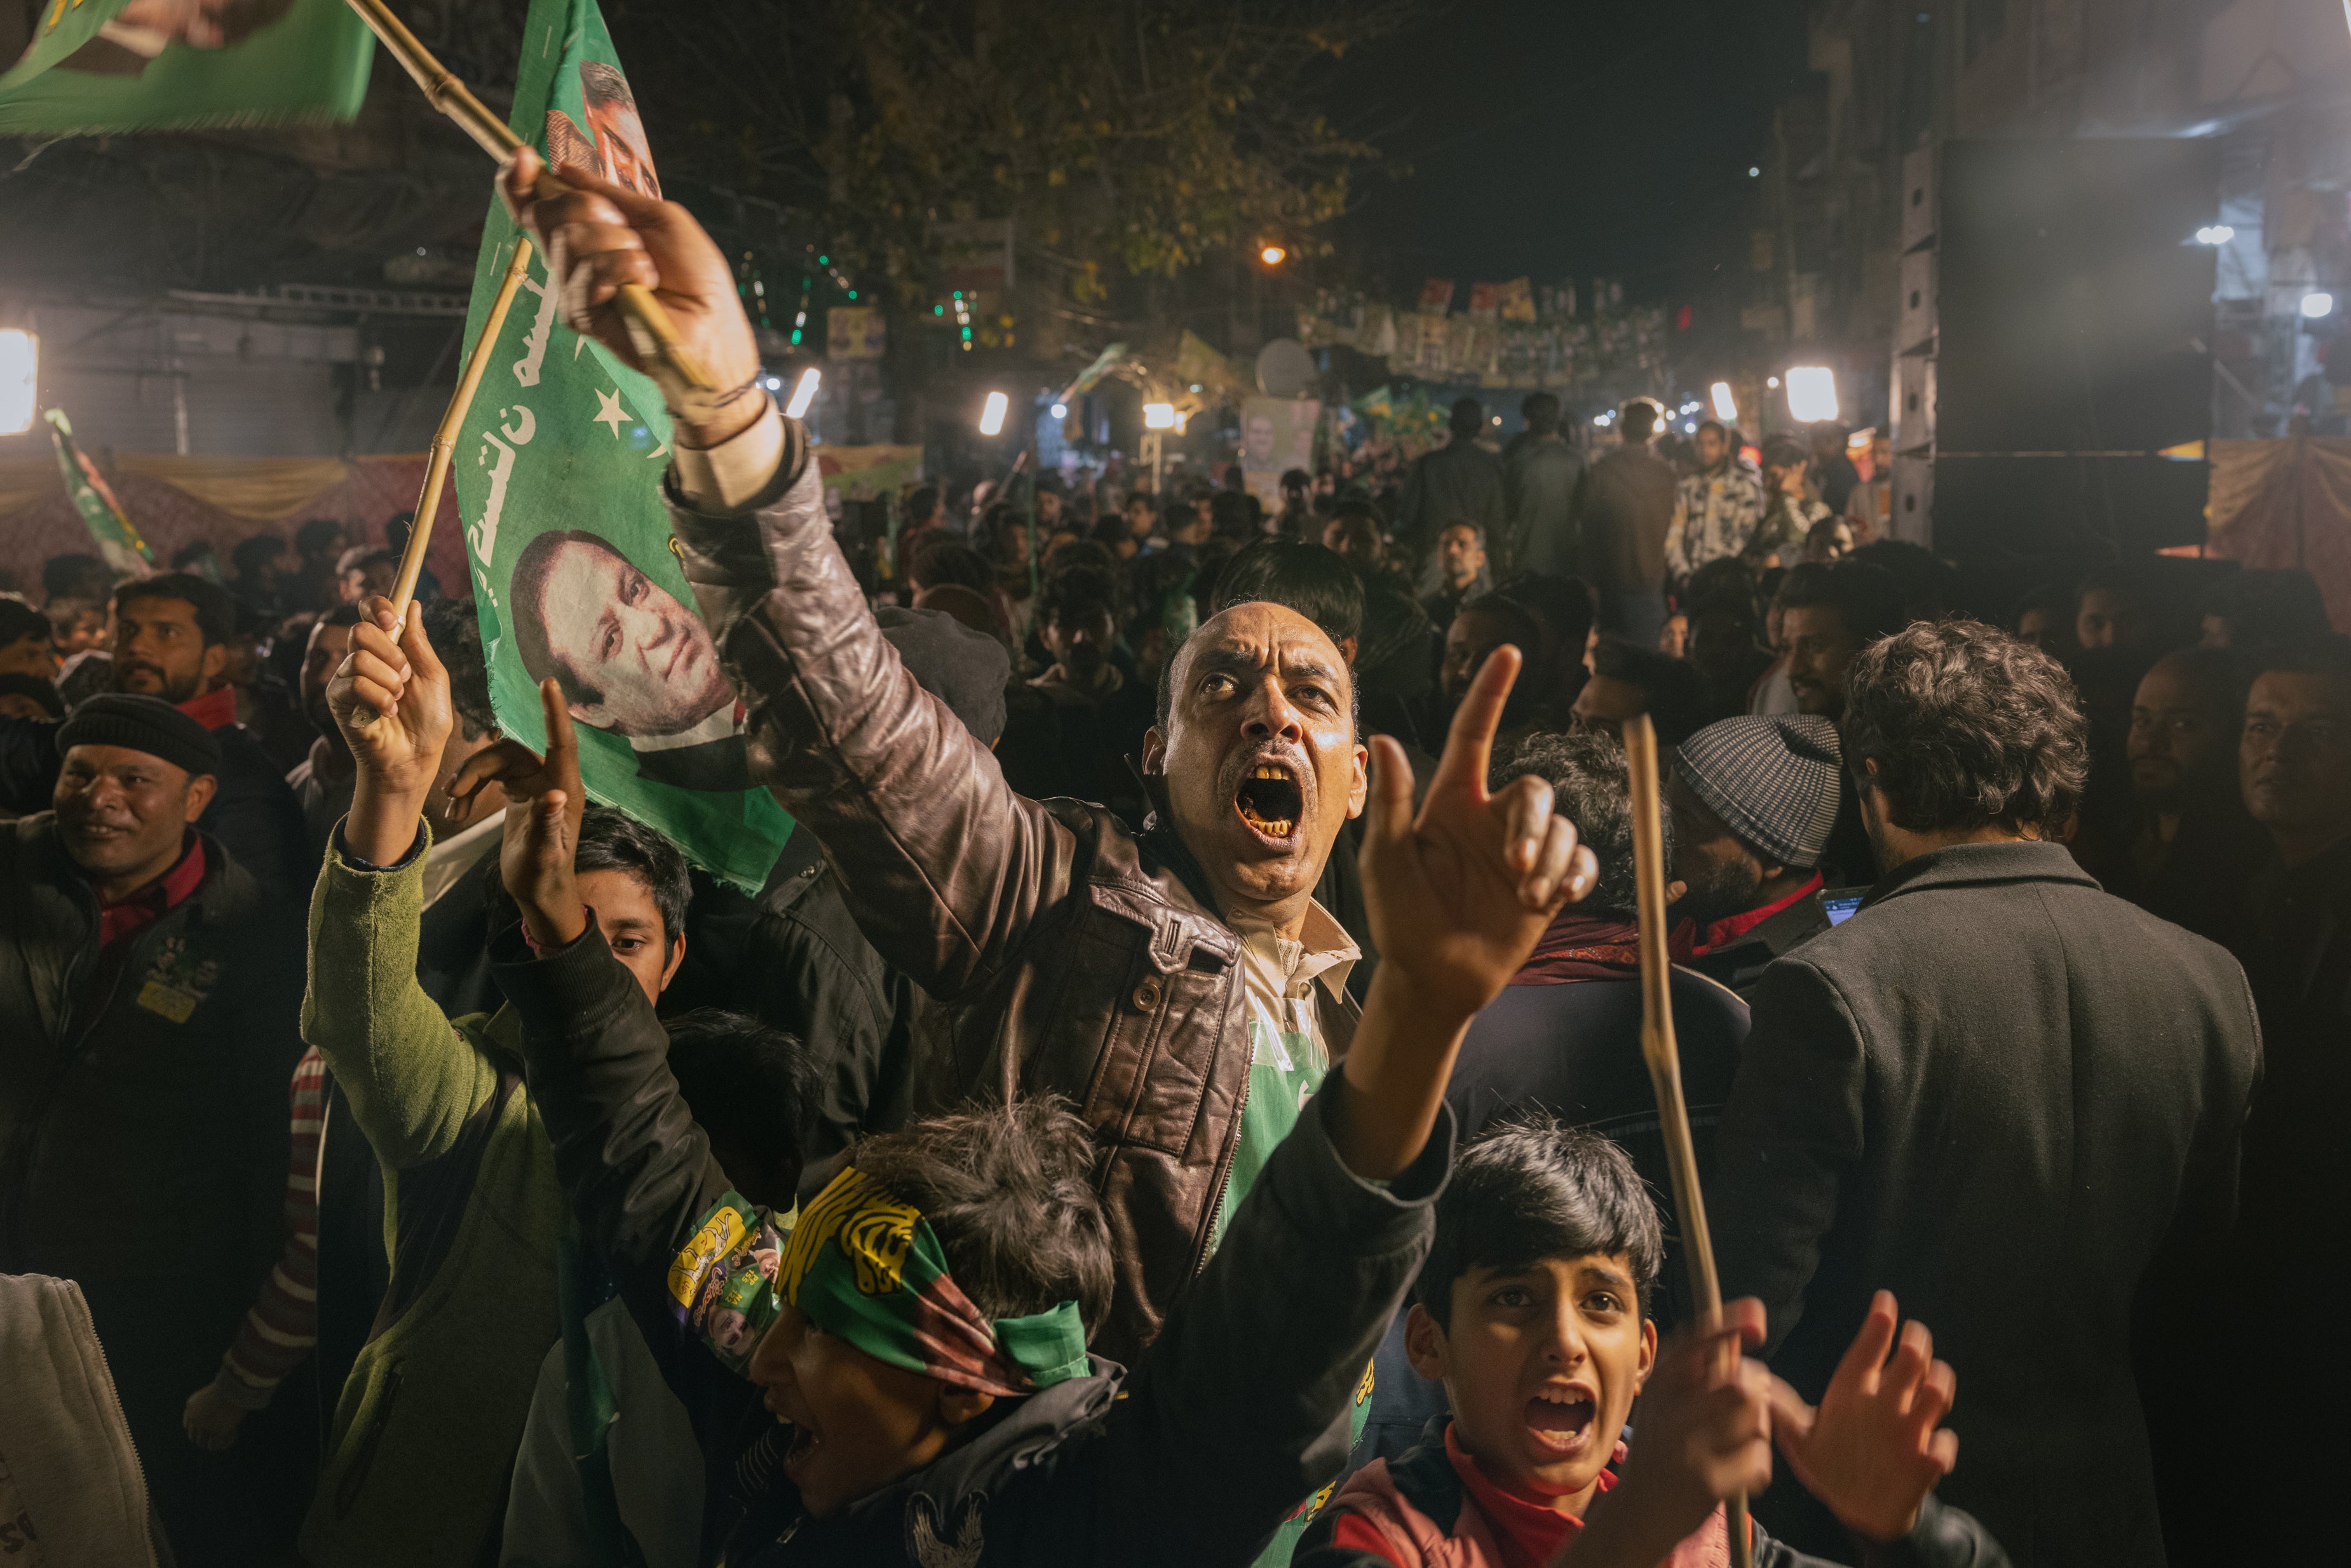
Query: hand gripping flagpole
(650, 330)
(444, 440)
(1657, 1049)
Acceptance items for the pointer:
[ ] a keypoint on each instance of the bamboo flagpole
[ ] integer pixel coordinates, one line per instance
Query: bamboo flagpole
(1664, 1057)
(650, 328)
(444, 440)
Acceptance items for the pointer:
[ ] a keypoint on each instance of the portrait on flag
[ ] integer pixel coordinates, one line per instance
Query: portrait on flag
(558, 470)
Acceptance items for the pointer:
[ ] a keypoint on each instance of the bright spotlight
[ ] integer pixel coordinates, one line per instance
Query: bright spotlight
(2317, 303)
(1811, 393)
(1272, 254)
(1158, 416)
(2216, 234)
(1772, 382)
(1689, 427)
(992, 418)
(20, 363)
(804, 393)
(1726, 407)
(1061, 410)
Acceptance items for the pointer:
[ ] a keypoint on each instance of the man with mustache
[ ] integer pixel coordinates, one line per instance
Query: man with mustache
(1180, 986)
(149, 991)
(171, 641)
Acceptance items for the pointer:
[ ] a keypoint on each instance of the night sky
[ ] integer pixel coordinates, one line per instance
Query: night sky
(1557, 139)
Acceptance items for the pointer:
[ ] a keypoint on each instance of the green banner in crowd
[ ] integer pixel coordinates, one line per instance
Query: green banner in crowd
(558, 471)
(97, 66)
(109, 527)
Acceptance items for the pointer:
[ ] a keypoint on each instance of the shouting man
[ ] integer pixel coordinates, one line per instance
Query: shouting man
(1180, 986)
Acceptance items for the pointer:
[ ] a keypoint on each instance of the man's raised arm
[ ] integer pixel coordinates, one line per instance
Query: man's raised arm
(948, 868)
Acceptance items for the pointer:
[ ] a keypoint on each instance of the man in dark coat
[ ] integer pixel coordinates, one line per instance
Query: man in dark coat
(172, 640)
(1623, 509)
(149, 991)
(1458, 482)
(2294, 763)
(1996, 1092)
(1539, 474)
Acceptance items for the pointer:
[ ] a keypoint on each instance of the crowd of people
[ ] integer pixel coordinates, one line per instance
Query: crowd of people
(1178, 1095)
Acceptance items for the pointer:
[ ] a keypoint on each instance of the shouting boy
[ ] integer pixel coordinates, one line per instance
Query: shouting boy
(1532, 1311)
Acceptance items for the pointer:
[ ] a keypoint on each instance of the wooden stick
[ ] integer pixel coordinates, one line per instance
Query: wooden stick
(650, 328)
(1664, 1057)
(444, 440)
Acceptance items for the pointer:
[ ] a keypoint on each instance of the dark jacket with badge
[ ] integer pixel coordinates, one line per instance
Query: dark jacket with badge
(1997, 1091)
(144, 1138)
(1068, 955)
(1242, 1408)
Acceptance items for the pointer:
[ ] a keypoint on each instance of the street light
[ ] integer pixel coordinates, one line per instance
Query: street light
(1158, 416)
(2317, 303)
(20, 363)
(1811, 393)
(804, 393)
(991, 417)
(1726, 407)
(1272, 254)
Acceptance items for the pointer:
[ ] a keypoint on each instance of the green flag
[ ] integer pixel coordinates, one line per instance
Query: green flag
(558, 471)
(97, 65)
(101, 514)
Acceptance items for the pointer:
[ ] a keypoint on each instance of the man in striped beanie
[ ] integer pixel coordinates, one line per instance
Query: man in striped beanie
(1754, 799)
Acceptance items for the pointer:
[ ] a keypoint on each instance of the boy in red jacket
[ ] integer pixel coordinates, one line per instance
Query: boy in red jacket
(1531, 1311)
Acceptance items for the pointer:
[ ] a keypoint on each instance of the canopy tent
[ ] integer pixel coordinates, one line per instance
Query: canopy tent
(177, 501)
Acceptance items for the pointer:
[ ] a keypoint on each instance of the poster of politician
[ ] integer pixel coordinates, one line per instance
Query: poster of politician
(558, 470)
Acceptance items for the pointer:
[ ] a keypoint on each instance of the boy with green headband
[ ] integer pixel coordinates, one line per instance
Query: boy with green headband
(922, 1330)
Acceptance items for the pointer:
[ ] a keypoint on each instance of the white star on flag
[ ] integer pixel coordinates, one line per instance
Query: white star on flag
(608, 412)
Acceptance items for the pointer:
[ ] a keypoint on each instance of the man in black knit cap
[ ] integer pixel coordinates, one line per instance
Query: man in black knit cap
(149, 999)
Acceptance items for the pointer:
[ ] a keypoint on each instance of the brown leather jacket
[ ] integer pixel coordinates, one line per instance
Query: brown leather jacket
(1072, 957)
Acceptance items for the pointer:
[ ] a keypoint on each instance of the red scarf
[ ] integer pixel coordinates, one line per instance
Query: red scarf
(214, 709)
(1580, 946)
(1725, 931)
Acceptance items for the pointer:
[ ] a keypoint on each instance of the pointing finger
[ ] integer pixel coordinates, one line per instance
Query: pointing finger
(1470, 744)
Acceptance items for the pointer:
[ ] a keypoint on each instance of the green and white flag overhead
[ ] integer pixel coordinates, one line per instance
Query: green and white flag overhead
(126, 553)
(100, 66)
(559, 469)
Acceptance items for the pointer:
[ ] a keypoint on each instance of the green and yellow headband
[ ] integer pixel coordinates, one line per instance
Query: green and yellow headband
(866, 1268)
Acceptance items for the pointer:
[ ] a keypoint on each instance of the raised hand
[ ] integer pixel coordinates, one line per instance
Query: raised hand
(1702, 1432)
(542, 831)
(1872, 1451)
(391, 700)
(598, 236)
(1458, 894)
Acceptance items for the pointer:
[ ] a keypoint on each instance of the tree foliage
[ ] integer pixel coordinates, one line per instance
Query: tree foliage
(1125, 138)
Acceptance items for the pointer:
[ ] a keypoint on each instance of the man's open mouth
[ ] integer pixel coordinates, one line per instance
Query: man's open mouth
(1562, 1425)
(1270, 800)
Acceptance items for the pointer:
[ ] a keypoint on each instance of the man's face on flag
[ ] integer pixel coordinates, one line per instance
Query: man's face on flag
(620, 146)
(634, 659)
